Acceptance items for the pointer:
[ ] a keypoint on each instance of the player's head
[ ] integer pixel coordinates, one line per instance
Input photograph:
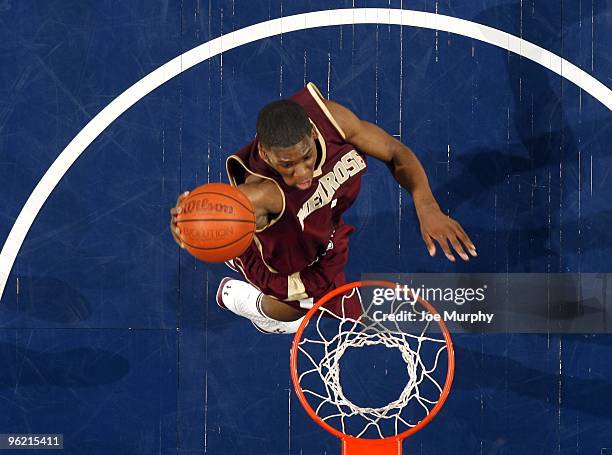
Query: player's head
(287, 142)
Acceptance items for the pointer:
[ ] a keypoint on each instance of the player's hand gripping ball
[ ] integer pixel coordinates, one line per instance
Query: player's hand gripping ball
(214, 222)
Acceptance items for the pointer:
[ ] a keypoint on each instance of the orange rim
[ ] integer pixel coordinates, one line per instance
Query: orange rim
(294, 363)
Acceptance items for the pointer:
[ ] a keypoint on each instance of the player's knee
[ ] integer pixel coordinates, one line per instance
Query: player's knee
(279, 311)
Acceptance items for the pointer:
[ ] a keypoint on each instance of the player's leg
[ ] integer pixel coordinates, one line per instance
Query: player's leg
(280, 311)
(267, 313)
(246, 300)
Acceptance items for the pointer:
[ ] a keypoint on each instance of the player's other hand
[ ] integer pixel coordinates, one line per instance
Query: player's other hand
(438, 227)
(174, 229)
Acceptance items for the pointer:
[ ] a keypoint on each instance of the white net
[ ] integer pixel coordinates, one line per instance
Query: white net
(329, 338)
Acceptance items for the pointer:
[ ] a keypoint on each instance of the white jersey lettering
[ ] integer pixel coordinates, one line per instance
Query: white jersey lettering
(349, 165)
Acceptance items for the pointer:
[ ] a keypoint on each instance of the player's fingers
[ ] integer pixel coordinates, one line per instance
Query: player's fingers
(176, 231)
(429, 243)
(178, 241)
(465, 239)
(181, 197)
(447, 251)
(458, 247)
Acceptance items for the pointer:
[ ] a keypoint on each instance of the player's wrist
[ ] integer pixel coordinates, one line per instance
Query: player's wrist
(424, 202)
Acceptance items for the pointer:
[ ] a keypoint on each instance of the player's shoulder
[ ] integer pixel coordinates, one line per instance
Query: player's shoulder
(347, 121)
(263, 193)
(265, 187)
(251, 178)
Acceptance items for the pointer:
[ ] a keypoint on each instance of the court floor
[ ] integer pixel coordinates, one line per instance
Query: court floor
(110, 335)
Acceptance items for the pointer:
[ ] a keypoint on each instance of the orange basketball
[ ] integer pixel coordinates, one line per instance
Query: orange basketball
(216, 222)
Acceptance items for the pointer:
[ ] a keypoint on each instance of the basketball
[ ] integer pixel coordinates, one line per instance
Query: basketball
(216, 222)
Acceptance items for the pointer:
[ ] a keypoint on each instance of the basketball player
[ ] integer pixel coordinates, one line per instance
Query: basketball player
(301, 173)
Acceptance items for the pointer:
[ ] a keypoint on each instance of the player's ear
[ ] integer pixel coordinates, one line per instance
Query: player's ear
(262, 153)
(313, 132)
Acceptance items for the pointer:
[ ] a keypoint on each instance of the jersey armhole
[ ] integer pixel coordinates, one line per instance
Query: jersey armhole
(318, 97)
(233, 159)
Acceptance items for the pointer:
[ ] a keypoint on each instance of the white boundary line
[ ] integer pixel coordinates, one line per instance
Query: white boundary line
(246, 35)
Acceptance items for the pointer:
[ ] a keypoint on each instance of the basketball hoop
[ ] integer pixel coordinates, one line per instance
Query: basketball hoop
(315, 369)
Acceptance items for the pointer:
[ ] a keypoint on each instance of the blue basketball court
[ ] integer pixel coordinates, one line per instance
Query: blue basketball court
(109, 332)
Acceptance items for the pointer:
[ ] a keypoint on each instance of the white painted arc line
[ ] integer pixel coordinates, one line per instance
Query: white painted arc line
(253, 33)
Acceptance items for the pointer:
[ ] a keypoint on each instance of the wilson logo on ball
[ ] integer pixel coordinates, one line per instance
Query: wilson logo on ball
(207, 206)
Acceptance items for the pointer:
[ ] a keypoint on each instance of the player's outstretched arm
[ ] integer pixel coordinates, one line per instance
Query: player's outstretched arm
(265, 196)
(409, 173)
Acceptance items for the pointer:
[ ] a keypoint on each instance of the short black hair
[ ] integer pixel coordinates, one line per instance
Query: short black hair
(282, 123)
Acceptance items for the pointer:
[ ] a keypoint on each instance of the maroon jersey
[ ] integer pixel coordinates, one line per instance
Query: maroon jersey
(303, 232)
